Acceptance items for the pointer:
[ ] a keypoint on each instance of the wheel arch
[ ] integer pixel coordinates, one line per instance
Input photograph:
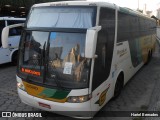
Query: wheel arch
(120, 82)
(15, 51)
(120, 73)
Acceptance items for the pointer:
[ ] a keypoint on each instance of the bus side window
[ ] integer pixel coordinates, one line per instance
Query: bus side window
(11, 22)
(2, 25)
(104, 48)
(15, 31)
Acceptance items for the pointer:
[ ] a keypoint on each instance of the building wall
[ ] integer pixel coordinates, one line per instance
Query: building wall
(158, 11)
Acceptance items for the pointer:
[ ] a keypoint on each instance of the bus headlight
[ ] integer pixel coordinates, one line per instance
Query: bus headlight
(20, 86)
(78, 99)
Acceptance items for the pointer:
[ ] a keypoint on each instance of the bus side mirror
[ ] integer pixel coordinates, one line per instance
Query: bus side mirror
(91, 41)
(5, 34)
(4, 37)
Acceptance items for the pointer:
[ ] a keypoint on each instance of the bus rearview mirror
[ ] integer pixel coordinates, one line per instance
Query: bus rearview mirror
(5, 34)
(4, 37)
(91, 41)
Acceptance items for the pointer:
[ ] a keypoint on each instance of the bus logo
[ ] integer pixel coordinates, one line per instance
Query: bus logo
(102, 97)
(6, 114)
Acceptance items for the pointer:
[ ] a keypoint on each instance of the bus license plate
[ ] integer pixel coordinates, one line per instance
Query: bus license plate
(44, 105)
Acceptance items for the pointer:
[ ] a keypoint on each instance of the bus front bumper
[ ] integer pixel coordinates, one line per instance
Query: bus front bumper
(77, 110)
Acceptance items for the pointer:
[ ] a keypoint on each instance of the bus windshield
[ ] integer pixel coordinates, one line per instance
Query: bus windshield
(62, 17)
(55, 57)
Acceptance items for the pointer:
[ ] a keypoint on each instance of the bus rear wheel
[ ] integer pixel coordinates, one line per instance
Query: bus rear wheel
(118, 86)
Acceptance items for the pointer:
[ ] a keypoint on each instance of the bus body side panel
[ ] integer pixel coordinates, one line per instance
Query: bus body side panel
(130, 53)
(13, 42)
(124, 62)
(148, 45)
(4, 55)
(138, 34)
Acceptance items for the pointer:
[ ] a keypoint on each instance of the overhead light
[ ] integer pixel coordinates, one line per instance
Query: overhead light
(23, 12)
(8, 5)
(21, 7)
(13, 11)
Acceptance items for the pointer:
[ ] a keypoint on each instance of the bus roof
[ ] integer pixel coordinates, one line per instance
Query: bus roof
(11, 18)
(93, 3)
(133, 12)
(76, 3)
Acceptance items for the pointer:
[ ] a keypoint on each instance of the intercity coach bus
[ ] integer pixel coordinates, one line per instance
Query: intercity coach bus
(74, 56)
(10, 53)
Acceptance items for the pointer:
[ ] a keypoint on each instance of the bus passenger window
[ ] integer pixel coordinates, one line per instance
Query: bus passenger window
(15, 31)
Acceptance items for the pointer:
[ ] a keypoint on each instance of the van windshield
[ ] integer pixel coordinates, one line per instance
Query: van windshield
(62, 17)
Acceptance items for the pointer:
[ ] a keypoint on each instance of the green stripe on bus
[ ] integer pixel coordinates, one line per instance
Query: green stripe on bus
(48, 92)
(54, 93)
(61, 94)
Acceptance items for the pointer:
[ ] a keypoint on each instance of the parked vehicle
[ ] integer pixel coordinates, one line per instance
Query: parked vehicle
(10, 53)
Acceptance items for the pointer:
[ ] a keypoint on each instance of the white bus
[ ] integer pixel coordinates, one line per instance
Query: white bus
(10, 54)
(75, 56)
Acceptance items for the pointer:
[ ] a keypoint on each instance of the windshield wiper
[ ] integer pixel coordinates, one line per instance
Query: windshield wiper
(57, 80)
(55, 71)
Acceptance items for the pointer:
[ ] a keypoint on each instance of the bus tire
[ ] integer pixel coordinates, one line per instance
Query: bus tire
(118, 85)
(14, 58)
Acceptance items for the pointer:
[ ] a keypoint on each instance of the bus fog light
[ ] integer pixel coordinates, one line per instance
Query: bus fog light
(21, 86)
(78, 99)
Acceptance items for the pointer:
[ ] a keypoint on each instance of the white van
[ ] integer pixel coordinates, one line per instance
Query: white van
(10, 54)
